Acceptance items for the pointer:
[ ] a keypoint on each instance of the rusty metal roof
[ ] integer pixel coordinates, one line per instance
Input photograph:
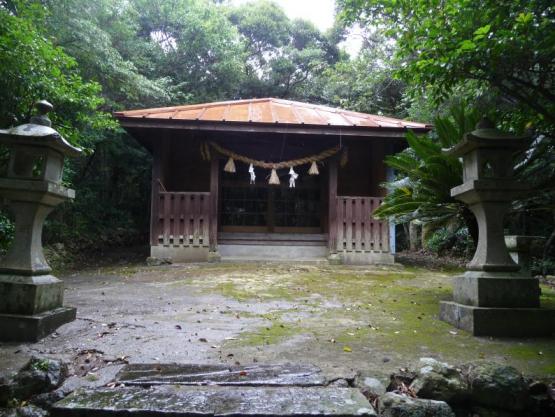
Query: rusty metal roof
(270, 111)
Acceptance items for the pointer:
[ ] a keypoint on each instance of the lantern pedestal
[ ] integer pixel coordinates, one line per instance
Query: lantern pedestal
(500, 322)
(495, 296)
(31, 300)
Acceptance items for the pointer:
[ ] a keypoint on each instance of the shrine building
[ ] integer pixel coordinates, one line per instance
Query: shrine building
(266, 179)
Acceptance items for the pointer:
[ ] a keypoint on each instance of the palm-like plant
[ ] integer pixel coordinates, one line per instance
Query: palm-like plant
(425, 175)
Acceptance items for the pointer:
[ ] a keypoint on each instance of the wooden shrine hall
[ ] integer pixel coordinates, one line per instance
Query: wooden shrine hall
(266, 179)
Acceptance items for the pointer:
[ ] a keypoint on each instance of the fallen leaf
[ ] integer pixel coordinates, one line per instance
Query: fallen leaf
(347, 349)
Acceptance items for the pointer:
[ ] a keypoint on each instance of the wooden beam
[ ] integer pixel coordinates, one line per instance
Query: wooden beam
(332, 205)
(214, 191)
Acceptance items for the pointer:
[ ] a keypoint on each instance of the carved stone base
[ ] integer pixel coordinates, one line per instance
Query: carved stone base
(496, 289)
(32, 328)
(500, 322)
(28, 295)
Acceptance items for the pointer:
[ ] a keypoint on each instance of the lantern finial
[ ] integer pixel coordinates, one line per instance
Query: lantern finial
(43, 107)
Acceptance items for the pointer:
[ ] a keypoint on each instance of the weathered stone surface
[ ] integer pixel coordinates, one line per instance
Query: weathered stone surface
(396, 405)
(498, 386)
(47, 399)
(25, 411)
(179, 400)
(370, 387)
(206, 374)
(40, 375)
(501, 322)
(25, 328)
(492, 289)
(439, 381)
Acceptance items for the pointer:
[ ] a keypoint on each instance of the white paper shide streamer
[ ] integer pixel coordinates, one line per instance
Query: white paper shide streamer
(251, 172)
(292, 177)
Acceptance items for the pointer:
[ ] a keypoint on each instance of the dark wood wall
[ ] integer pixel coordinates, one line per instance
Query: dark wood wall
(365, 170)
(183, 169)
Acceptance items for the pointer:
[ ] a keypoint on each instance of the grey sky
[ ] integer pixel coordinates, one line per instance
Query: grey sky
(319, 12)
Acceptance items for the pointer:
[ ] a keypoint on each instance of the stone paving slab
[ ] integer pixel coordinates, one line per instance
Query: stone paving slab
(303, 375)
(214, 401)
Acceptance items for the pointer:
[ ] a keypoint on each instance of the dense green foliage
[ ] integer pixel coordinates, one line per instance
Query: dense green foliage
(498, 55)
(505, 45)
(426, 176)
(418, 59)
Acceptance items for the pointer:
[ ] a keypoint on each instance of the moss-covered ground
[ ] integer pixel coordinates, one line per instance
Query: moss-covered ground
(389, 313)
(340, 318)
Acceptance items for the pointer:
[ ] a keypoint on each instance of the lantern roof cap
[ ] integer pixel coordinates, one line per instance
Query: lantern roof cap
(38, 132)
(486, 135)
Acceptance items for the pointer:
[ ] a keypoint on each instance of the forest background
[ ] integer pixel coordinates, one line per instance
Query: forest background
(419, 60)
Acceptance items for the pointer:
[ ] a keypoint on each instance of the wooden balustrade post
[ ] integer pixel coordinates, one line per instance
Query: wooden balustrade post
(332, 206)
(155, 197)
(213, 217)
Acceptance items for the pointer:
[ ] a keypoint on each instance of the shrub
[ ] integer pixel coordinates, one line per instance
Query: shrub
(456, 243)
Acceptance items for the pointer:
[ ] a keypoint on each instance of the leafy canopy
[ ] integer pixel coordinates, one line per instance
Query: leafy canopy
(33, 69)
(507, 45)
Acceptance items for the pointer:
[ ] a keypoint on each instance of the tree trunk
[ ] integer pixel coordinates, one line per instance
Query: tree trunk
(414, 238)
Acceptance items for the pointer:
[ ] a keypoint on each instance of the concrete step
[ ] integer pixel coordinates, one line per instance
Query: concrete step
(272, 252)
(217, 401)
(205, 390)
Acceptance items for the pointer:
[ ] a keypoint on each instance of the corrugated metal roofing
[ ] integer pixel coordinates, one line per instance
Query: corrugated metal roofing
(270, 111)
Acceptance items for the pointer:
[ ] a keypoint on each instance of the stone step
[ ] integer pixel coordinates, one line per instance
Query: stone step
(212, 400)
(220, 374)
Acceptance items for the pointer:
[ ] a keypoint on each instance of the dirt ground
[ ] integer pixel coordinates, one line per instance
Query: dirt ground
(343, 319)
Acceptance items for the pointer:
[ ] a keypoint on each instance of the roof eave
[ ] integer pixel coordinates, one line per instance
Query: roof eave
(377, 131)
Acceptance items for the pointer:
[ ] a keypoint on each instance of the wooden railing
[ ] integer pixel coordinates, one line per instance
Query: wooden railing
(356, 229)
(183, 219)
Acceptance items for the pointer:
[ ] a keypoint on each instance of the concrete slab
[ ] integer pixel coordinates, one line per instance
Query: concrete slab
(221, 374)
(178, 400)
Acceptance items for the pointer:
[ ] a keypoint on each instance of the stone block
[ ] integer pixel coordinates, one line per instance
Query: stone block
(180, 253)
(500, 322)
(32, 328)
(207, 374)
(30, 294)
(396, 405)
(367, 258)
(483, 289)
(179, 400)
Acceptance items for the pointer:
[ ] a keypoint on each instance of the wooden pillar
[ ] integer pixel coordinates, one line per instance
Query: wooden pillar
(332, 205)
(155, 197)
(214, 189)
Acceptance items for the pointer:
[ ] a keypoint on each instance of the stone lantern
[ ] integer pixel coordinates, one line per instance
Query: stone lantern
(31, 299)
(494, 297)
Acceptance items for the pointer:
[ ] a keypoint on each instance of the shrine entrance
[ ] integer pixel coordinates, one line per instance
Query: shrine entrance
(264, 208)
